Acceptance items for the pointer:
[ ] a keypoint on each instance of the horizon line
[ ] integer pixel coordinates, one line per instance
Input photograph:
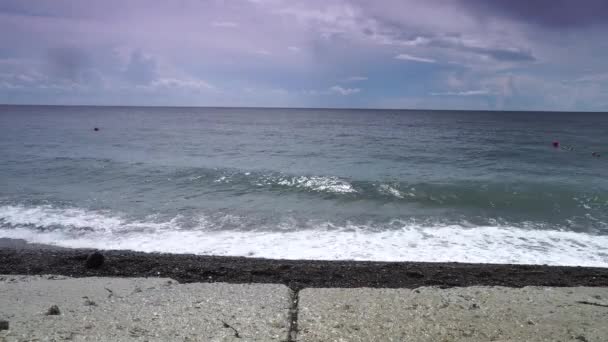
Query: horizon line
(304, 108)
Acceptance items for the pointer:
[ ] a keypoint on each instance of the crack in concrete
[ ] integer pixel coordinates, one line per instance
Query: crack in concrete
(226, 325)
(292, 333)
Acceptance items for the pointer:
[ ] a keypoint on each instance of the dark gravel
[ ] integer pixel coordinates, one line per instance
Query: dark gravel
(95, 260)
(297, 274)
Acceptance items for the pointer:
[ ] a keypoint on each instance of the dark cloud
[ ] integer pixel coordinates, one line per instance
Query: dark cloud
(67, 62)
(20, 7)
(65, 9)
(549, 13)
(402, 33)
(62, 47)
(507, 55)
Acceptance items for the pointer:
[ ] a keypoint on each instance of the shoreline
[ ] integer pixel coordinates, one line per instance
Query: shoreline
(20, 257)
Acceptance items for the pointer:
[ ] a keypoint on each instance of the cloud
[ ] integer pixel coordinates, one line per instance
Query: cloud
(471, 46)
(417, 41)
(225, 24)
(356, 79)
(344, 91)
(549, 13)
(141, 69)
(522, 54)
(186, 84)
(501, 54)
(463, 93)
(407, 57)
(67, 62)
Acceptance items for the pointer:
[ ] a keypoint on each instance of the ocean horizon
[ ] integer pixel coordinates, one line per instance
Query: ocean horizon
(399, 109)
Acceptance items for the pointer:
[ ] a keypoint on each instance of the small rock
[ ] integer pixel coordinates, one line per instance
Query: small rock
(530, 322)
(3, 325)
(346, 307)
(89, 302)
(53, 310)
(474, 306)
(95, 260)
(581, 338)
(414, 274)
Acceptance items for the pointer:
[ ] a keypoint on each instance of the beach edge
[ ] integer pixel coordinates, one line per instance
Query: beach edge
(17, 257)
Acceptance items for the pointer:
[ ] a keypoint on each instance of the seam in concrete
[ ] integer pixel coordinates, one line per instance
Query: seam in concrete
(592, 303)
(292, 333)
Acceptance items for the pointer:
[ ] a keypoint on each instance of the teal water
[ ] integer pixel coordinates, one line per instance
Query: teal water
(309, 183)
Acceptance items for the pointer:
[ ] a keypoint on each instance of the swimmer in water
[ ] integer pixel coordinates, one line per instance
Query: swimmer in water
(556, 144)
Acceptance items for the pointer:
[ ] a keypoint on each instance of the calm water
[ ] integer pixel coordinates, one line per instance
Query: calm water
(317, 184)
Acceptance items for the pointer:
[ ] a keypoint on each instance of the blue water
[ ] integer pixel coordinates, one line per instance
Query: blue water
(309, 183)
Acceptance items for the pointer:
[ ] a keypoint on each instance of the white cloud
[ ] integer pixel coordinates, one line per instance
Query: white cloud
(186, 84)
(407, 57)
(344, 91)
(262, 52)
(463, 93)
(324, 19)
(294, 49)
(225, 24)
(418, 41)
(356, 79)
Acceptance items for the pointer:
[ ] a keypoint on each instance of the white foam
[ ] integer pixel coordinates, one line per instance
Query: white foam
(76, 220)
(312, 183)
(321, 184)
(389, 190)
(410, 242)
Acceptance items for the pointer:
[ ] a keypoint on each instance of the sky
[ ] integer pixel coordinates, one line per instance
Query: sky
(443, 54)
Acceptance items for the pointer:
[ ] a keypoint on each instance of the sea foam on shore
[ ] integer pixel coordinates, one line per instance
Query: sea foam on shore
(406, 241)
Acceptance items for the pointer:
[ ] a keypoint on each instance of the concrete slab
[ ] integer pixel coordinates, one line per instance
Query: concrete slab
(139, 309)
(457, 314)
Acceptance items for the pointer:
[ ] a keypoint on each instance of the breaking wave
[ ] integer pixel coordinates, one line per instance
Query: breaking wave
(404, 241)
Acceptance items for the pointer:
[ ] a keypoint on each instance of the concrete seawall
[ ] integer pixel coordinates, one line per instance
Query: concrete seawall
(161, 309)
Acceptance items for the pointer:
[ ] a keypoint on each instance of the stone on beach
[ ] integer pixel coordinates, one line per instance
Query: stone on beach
(95, 260)
(53, 311)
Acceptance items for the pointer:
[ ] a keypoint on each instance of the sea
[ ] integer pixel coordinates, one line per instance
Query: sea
(323, 184)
